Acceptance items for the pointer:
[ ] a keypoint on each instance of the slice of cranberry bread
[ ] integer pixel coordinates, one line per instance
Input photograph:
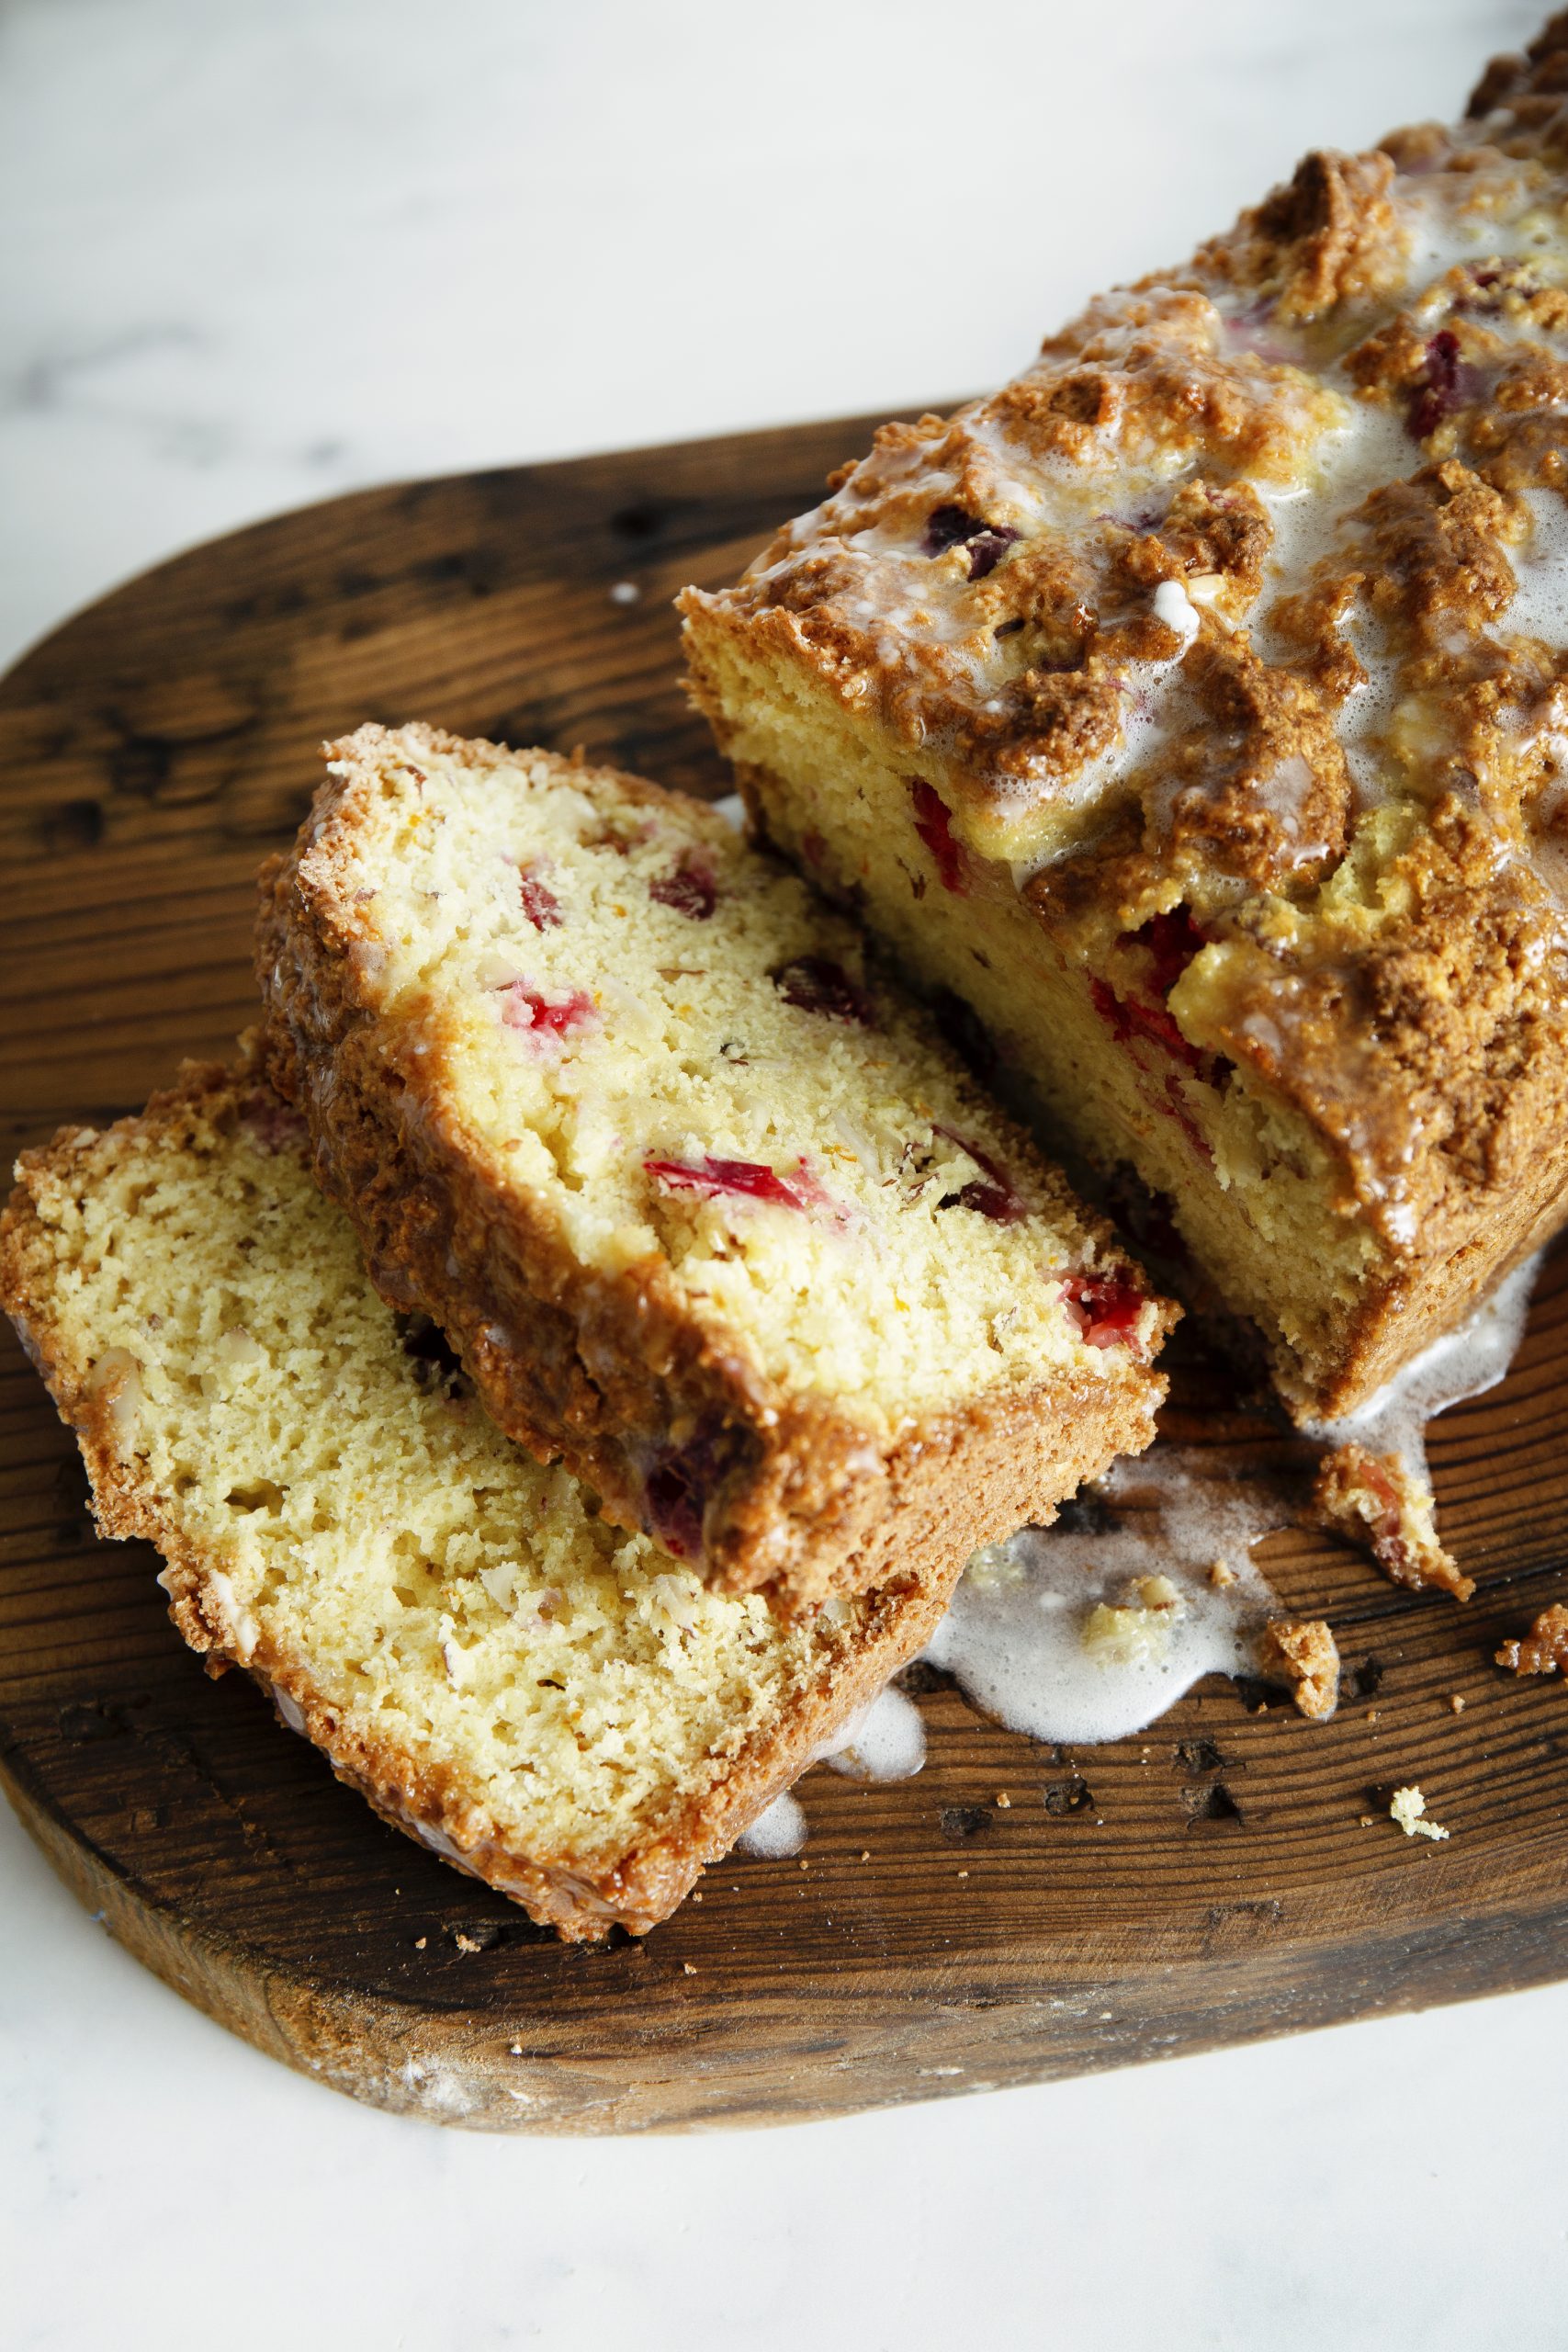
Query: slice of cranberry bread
(710, 1211)
(1192, 707)
(551, 1704)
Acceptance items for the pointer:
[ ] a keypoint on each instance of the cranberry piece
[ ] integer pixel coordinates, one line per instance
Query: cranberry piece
(676, 1491)
(817, 984)
(748, 1179)
(1440, 389)
(996, 1196)
(1126, 1018)
(934, 826)
(984, 543)
(276, 1125)
(1172, 940)
(1105, 1308)
(1174, 1107)
(539, 901)
(987, 550)
(689, 887)
(1140, 522)
(526, 1008)
(949, 526)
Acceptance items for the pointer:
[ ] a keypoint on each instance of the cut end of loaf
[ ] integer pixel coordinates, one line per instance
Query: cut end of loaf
(709, 1206)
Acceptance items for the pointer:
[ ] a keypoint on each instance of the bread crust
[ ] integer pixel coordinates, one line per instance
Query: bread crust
(581, 1900)
(600, 1372)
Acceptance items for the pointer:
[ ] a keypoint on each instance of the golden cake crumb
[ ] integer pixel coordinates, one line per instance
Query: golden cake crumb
(1303, 1654)
(1544, 1649)
(1408, 1807)
(1377, 1502)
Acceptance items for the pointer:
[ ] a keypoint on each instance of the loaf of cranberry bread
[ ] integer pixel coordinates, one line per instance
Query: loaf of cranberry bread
(1193, 710)
(549, 1703)
(711, 1213)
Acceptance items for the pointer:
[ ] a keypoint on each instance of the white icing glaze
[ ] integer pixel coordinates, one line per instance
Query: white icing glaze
(1014, 1638)
(1367, 448)
(436, 1839)
(241, 1625)
(732, 808)
(1464, 1362)
(886, 1741)
(1445, 228)
(777, 1833)
(1173, 607)
(1540, 572)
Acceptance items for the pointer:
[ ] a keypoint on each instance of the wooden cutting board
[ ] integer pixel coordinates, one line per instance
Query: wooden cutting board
(1208, 1883)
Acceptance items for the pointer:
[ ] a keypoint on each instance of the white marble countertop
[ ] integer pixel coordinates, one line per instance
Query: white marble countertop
(257, 251)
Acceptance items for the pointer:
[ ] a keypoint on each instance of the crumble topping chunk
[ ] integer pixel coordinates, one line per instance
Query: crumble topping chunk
(1303, 1654)
(1544, 1649)
(1377, 1502)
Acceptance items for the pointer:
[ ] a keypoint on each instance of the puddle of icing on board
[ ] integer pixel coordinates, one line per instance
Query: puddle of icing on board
(777, 1833)
(1051, 1633)
(1464, 1362)
(886, 1741)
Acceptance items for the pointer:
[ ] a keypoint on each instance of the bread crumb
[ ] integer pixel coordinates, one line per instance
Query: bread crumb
(466, 1943)
(1368, 1820)
(1003, 1800)
(1376, 1501)
(687, 1966)
(420, 1942)
(1408, 1807)
(1456, 1703)
(866, 1856)
(1544, 1649)
(1302, 1654)
(1222, 1574)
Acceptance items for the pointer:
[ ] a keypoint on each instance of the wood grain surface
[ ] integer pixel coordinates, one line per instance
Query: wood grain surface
(1207, 1883)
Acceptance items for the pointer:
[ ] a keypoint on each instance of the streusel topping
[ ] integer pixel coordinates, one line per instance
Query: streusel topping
(1246, 604)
